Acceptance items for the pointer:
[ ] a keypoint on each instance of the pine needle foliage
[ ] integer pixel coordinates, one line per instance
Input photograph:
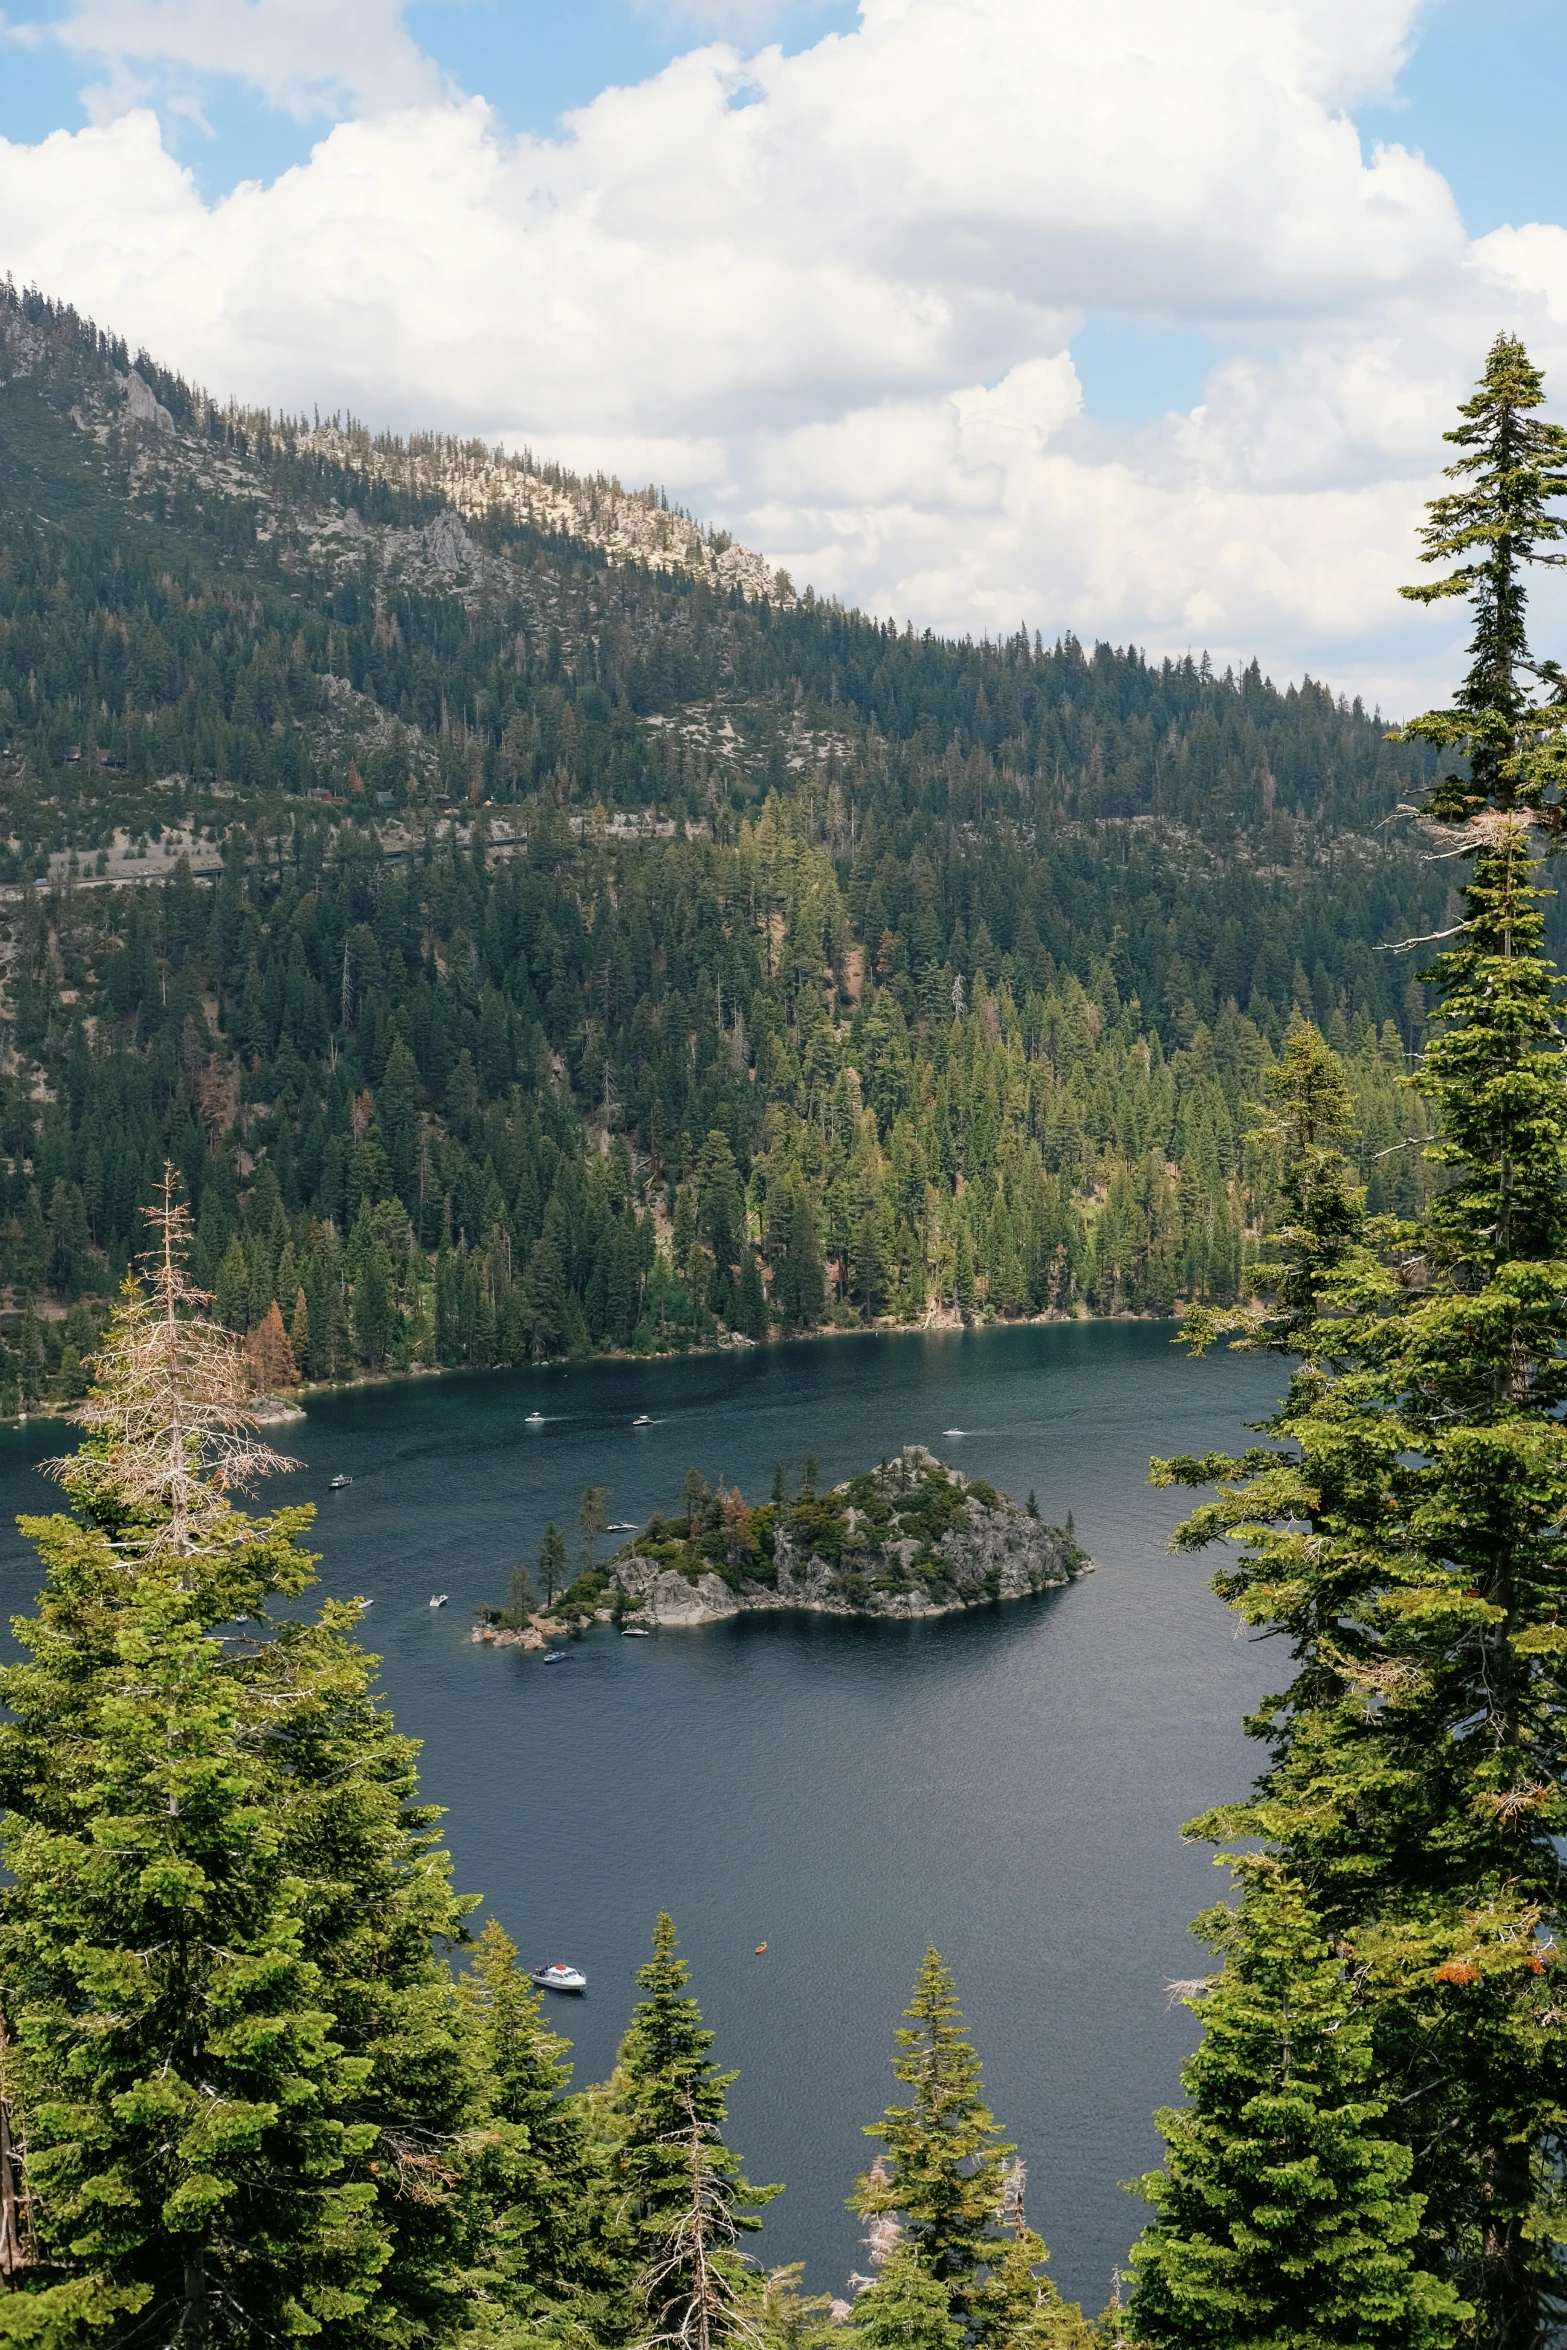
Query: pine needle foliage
(1285, 2212)
(239, 2078)
(944, 2172)
(1407, 1539)
(905, 2309)
(1405, 1533)
(1490, 529)
(535, 2181)
(684, 2196)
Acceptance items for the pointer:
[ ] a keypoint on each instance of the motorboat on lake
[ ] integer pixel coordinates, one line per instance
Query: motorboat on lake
(635, 1632)
(534, 1420)
(643, 1420)
(336, 1484)
(438, 1599)
(557, 1656)
(559, 1978)
(622, 1526)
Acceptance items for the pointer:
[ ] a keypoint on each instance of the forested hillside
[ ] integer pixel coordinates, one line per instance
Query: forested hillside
(597, 954)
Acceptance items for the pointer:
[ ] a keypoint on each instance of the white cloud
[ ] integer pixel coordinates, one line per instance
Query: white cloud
(301, 56)
(784, 284)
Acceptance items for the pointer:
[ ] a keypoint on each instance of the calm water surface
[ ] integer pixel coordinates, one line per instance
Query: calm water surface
(1008, 1784)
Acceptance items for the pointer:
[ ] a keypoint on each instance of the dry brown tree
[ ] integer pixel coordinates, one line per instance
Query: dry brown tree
(170, 1413)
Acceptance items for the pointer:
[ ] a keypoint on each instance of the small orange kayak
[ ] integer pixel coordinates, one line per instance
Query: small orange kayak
(761, 1946)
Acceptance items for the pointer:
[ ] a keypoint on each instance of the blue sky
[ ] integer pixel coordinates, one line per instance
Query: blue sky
(1481, 97)
(1095, 315)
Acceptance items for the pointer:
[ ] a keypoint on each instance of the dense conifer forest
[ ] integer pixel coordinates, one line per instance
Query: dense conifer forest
(836, 1042)
(584, 955)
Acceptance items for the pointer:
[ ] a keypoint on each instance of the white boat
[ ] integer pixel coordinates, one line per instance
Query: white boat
(559, 1978)
(336, 1484)
(439, 1599)
(557, 1656)
(622, 1526)
(534, 1420)
(643, 1420)
(954, 1432)
(635, 1632)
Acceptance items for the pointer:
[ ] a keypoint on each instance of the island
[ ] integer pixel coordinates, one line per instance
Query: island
(913, 1537)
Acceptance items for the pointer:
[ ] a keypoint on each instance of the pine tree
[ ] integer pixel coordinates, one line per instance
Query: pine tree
(905, 2309)
(1285, 2213)
(1410, 1548)
(173, 2074)
(945, 2173)
(554, 1562)
(685, 2196)
(237, 2064)
(535, 2183)
(1016, 2308)
(1490, 529)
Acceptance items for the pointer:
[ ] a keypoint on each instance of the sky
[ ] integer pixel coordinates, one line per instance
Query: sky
(1141, 318)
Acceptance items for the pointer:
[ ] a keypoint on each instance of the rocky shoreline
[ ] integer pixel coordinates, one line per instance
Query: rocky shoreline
(910, 1539)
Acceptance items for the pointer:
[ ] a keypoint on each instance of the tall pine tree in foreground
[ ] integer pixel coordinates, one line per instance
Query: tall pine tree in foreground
(683, 2194)
(944, 2201)
(1408, 1539)
(240, 2089)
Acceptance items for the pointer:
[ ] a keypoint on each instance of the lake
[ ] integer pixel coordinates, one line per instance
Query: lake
(1007, 1784)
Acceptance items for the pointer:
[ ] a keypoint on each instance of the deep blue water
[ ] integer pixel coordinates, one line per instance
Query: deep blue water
(1008, 1784)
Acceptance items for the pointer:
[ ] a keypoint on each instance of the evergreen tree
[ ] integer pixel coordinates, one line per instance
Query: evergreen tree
(1016, 2308)
(685, 2196)
(944, 2173)
(535, 2184)
(750, 1302)
(554, 1562)
(1285, 2212)
(592, 1520)
(237, 2063)
(905, 2309)
(1490, 529)
(174, 2073)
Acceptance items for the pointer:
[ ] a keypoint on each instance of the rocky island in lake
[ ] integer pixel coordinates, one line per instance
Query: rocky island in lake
(914, 1537)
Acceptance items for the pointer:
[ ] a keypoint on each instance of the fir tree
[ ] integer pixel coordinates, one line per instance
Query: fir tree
(1285, 2212)
(905, 2309)
(1409, 1545)
(554, 1562)
(1017, 2308)
(1490, 529)
(944, 2173)
(686, 2198)
(535, 2184)
(238, 2066)
(175, 2075)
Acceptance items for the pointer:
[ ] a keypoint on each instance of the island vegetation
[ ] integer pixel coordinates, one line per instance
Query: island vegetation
(911, 1537)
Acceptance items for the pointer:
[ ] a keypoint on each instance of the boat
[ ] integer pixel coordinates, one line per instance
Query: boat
(643, 1420)
(954, 1432)
(635, 1632)
(623, 1526)
(760, 1949)
(534, 1420)
(438, 1599)
(557, 1656)
(336, 1484)
(559, 1978)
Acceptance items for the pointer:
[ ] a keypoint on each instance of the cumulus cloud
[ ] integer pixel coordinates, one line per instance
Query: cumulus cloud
(301, 57)
(831, 297)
